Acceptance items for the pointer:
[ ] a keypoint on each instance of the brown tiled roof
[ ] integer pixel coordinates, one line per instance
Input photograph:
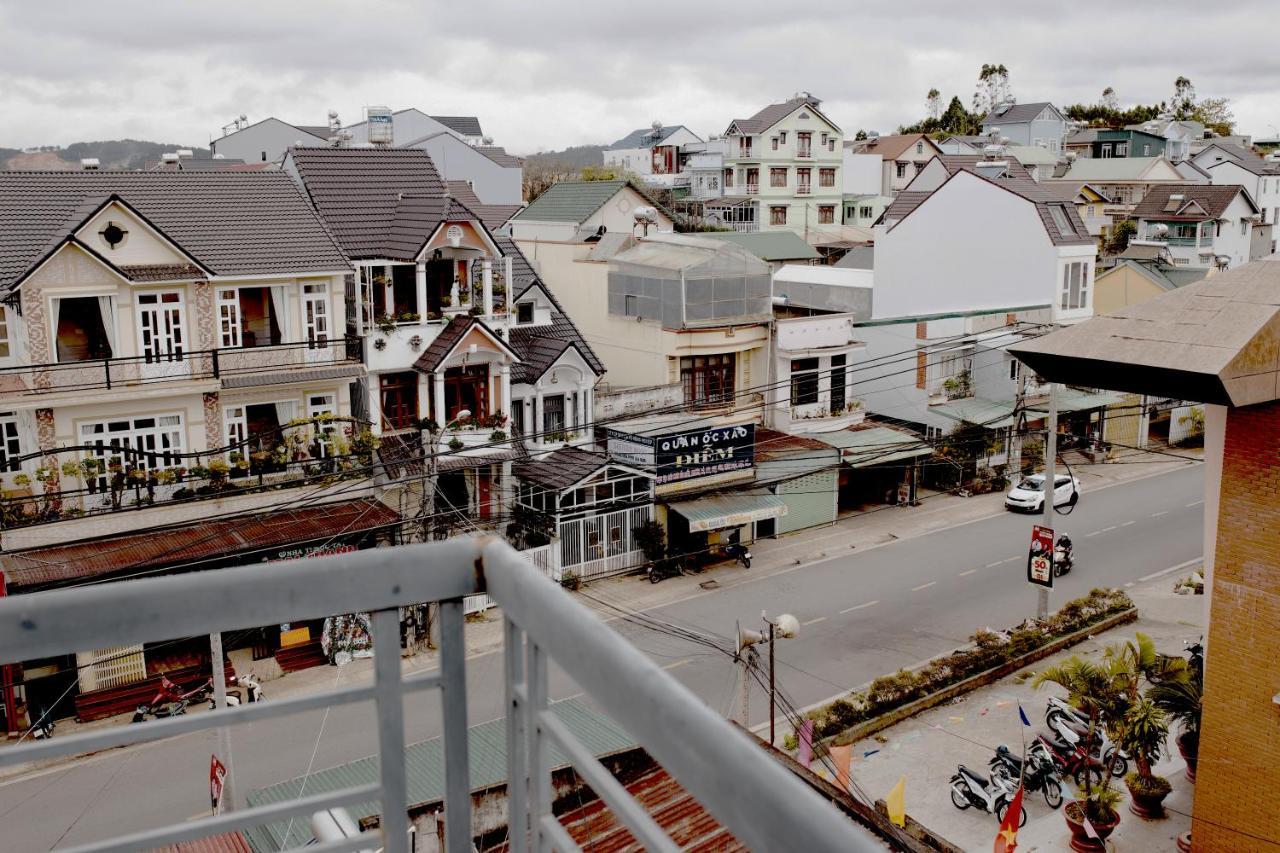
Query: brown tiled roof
(907, 201)
(968, 162)
(161, 272)
(495, 215)
(285, 376)
(439, 348)
(500, 156)
(357, 190)
(891, 147)
(462, 191)
(228, 842)
(1016, 114)
(415, 219)
(1214, 199)
(466, 125)
(771, 115)
(177, 547)
(233, 223)
(560, 468)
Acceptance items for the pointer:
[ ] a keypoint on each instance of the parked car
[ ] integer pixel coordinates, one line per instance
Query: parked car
(1028, 494)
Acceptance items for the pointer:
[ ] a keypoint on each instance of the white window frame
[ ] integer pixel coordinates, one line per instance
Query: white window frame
(10, 441)
(316, 315)
(167, 427)
(228, 308)
(1075, 290)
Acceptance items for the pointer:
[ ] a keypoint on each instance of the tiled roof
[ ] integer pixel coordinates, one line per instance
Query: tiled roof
(561, 325)
(907, 201)
(645, 137)
(1200, 202)
(260, 378)
(769, 245)
(466, 125)
(1084, 136)
(233, 223)
(891, 147)
(462, 191)
(181, 546)
(771, 115)
(357, 190)
(320, 130)
(500, 156)
(560, 468)
(957, 162)
(415, 219)
(161, 272)
(439, 348)
(1245, 159)
(537, 353)
(495, 215)
(193, 164)
(571, 201)
(1016, 113)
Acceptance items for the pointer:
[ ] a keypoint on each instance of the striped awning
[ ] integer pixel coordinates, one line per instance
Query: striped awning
(717, 513)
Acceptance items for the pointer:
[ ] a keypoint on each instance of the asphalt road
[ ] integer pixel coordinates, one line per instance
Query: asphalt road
(862, 615)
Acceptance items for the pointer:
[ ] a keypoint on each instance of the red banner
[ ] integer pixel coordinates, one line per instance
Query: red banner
(217, 774)
(1040, 560)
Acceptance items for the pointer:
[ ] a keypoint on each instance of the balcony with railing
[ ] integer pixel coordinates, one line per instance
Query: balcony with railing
(174, 365)
(752, 794)
(804, 189)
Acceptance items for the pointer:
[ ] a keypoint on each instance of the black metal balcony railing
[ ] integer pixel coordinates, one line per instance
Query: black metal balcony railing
(183, 366)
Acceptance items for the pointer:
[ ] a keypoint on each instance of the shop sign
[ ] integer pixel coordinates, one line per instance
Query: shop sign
(1040, 560)
(326, 550)
(703, 453)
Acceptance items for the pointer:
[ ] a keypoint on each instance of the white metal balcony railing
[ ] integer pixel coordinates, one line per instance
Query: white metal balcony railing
(752, 189)
(758, 800)
(804, 189)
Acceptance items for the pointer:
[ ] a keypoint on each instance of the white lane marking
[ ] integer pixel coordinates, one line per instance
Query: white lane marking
(1171, 569)
(859, 606)
(1127, 523)
(1194, 503)
(1094, 533)
(965, 574)
(923, 586)
(815, 621)
(1160, 513)
(1105, 529)
(996, 563)
(1011, 559)
(678, 663)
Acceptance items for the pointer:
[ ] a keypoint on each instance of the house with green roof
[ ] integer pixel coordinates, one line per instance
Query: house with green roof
(576, 211)
(774, 247)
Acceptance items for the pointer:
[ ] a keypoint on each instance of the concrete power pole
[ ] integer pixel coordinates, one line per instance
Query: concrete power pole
(1050, 457)
(1014, 466)
(224, 732)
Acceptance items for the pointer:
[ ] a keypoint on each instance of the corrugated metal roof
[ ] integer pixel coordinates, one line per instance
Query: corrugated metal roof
(868, 446)
(714, 513)
(1076, 400)
(286, 377)
(992, 414)
(769, 245)
(424, 767)
(229, 842)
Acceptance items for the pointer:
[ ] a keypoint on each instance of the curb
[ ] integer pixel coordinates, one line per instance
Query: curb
(982, 679)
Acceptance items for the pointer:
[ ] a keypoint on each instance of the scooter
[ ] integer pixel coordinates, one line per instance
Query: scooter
(739, 552)
(1070, 758)
(969, 788)
(170, 701)
(252, 688)
(668, 567)
(1040, 773)
(1116, 762)
(1056, 709)
(43, 726)
(1062, 557)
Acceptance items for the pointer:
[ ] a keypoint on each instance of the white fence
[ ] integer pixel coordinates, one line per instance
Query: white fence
(602, 545)
(110, 667)
(544, 558)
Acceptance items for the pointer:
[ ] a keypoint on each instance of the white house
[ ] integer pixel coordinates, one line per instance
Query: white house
(494, 175)
(1205, 226)
(884, 165)
(571, 211)
(653, 153)
(1040, 124)
(1124, 180)
(265, 141)
(1231, 164)
(412, 123)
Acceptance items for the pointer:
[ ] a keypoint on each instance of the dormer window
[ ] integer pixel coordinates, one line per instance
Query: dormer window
(113, 235)
(524, 313)
(454, 234)
(920, 147)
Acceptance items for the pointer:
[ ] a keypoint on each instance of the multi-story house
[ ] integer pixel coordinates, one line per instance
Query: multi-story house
(459, 329)
(884, 165)
(265, 141)
(653, 153)
(1040, 124)
(783, 164)
(1204, 226)
(1227, 164)
(1124, 180)
(704, 166)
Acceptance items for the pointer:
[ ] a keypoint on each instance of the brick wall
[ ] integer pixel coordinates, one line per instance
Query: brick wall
(1238, 776)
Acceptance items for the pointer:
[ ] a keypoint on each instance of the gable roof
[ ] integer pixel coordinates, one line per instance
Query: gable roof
(233, 223)
(449, 338)
(1164, 277)
(358, 190)
(774, 113)
(1242, 157)
(319, 131)
(466, 125)
(418, 217)
(1083, 136)
(1200, 202)
(575, 201)
(769, 245)
(1103, 169)
(1019, 113)
(561, 468)
(969, 162)
(646, 137)
(521, 337)
(500, 156)
(891, 147)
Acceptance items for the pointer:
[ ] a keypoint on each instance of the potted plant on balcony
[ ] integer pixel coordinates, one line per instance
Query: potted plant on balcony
(455, 444)
(90, 469)
(497, 436)
(218, 470)
(385, 323)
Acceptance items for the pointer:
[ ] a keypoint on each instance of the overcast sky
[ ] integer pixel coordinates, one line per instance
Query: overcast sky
(544, 74)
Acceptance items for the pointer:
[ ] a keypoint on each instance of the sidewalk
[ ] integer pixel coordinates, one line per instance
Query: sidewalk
(851, 533)
(927, 748)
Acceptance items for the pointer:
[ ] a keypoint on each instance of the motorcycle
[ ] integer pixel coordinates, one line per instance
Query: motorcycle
(1062, 556)
(252, 688)
(1116, 762)
(669, 567)
(739, 552)
(43, 725)
(1040, 773)
(1070, 759)
(170, 701)
(969, 788)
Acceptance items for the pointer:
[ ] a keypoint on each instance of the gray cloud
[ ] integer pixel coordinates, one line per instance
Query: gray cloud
(552, 73)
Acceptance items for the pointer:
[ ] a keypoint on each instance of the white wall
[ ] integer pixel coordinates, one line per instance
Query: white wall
(456, 160)
(972, 245)
(408, 125)
(863, 173)
(264, 142)
(617, 215)
(1264, 189)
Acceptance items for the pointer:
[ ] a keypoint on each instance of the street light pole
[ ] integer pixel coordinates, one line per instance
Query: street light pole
(1050, 457)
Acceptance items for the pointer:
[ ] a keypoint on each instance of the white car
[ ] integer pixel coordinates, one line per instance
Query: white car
(1028, 495)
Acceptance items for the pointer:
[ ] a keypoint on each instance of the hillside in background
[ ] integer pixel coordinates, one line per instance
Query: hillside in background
(113, 154)
(569, 160)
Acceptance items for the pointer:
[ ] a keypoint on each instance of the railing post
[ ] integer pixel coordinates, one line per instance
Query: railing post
(106, 371)
(453, 695)
(390, 703)
(539, 753)
(517, 740)
(215, 364)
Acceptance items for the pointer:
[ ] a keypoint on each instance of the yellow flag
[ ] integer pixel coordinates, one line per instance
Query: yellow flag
(897, 802)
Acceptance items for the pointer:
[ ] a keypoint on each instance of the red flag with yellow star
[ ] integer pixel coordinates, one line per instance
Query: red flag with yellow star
(1007, 837)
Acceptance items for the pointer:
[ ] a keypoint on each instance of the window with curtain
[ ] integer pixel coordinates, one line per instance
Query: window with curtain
(804, 381)
(708, 379)
(553, 414)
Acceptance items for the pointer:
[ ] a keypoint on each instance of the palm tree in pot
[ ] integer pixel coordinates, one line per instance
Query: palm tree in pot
(1181, 697)
(1089, 688)
(1135, 723)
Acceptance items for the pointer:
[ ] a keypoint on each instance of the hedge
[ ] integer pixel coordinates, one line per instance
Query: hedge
(988, 650)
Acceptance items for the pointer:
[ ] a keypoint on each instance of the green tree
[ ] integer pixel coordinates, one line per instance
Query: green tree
(602, 173)
(1109, 99)
(860, 135)
(933, 104)
(957, 120)
(1121, 234)
(1215, 114)
(1184, 98)
(993, 88)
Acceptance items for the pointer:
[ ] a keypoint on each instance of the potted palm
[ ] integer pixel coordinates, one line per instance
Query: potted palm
(1142, 734)
(1180, 698)
(1090, 689)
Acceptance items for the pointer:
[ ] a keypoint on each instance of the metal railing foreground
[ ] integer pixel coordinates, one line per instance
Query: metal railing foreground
(763, 804)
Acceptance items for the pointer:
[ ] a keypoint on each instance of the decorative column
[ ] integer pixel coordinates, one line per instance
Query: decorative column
(437, 398)
(455, 290)
(536, 430)
(505, 373)
(589, 398)
(47, 440)
(420, 283)
(389, 290)
(486, 278)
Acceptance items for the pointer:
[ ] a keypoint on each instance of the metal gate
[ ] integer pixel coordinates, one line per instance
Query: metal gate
(543, 558)
(602, 545)
(110, 667)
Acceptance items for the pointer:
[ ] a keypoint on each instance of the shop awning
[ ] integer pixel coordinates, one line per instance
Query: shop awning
(266, 536)
(1075, 400)
(716, 513)
(862, 448)
(992, 414)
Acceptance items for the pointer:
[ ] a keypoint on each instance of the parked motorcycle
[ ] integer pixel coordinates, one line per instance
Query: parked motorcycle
(1070, 759)
(969, 788)
(739, 552)
(669, 567)
(170, 701)
(1040, 774)
(1062, 556)
(1101, 746)
(253, 691)
(42, 724)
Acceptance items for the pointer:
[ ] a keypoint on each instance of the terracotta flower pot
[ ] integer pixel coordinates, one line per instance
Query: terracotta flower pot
(1149, 806)
(1184, 842)
(1189, 748)
(1080, 840)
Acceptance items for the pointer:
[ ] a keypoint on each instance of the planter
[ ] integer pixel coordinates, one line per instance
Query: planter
(1148, 805)
(1189, 747)
(1080, 840)
(1184, 842)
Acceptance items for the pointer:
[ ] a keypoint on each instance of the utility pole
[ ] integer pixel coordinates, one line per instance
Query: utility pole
(745, 657)
(429, 441)
(773, 693)
(224, 732)
(1014, 464)
(1050, 457)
